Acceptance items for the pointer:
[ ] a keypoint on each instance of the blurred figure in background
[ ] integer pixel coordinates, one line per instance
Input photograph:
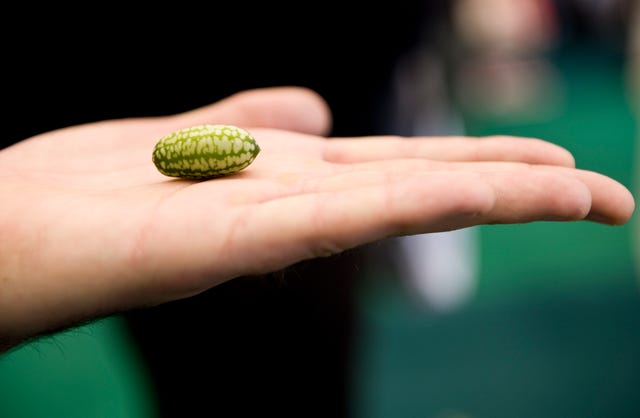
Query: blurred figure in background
(486, 57)
(537, 320)
(501, 55)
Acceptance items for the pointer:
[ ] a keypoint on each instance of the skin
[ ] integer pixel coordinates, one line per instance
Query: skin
(89, 227)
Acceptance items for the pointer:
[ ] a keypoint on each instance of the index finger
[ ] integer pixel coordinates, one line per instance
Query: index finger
(455, 148)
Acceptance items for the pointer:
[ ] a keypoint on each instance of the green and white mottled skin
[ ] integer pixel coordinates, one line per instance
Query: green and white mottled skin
(205, 151)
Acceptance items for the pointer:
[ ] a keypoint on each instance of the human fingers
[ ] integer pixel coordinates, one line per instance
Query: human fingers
(289, 108)
(494, 148)
(324, 223)
(611, 202)
(557, 193)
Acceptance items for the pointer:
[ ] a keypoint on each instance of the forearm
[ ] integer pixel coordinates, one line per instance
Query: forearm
(32, 306)
(51, 279)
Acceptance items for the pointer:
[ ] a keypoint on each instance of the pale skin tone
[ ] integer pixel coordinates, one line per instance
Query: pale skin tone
(89, 227)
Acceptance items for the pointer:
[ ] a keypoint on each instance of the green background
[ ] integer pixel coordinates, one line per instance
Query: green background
(90, 371)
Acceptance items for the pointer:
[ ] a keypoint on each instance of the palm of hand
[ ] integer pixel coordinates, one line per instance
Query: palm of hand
(94, 203)
(91, 222)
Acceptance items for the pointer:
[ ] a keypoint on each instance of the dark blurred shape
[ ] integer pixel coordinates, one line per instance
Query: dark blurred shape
(601, 20)
(279, 344)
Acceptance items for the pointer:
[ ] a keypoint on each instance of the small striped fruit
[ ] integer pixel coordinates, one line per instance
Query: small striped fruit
(204, 152)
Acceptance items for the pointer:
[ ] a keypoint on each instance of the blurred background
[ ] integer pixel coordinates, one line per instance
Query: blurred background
(499, 321)
(545, 321)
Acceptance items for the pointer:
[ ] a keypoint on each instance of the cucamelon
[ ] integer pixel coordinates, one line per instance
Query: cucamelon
(205, 151)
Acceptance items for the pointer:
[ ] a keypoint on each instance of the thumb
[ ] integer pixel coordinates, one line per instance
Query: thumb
(290, 108)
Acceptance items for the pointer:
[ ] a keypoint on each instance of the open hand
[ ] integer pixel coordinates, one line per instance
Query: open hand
(89, 227)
